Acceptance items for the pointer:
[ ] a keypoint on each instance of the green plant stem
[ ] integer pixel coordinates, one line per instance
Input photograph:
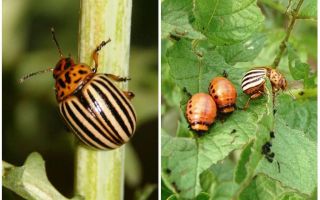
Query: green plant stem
(99, 174)
(282, 47)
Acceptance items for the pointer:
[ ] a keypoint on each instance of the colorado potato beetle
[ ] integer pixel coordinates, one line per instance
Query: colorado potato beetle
(201, 112)
(223, 93)
(95, 109)
(253, 82)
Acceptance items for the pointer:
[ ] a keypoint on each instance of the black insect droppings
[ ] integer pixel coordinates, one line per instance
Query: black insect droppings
(272, 134)
(233, 131)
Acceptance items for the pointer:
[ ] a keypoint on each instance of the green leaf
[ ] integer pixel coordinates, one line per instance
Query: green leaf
(243, 51)
(175, 19)
(30, 180)
(300, 70)
(265, 188)
(308, 9)
(218, 181)
(187, 158)
(223, 137)
(299, 114)
(165, 192)
(296, 155)
(241, 171)
(193, 68)
(229, 21)
(203, 196)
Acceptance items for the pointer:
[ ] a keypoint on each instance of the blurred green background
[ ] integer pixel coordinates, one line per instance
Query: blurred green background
(31, 121)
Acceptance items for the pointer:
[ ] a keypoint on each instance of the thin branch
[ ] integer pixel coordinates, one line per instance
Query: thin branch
(282, 47)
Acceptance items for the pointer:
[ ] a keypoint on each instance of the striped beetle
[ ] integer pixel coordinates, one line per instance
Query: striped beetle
(253, 82)
(97, 111)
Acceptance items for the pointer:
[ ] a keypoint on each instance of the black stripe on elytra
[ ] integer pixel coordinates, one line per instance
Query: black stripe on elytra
(120, 94)
(119, 140)
(122, 107)
(112, 108)
(67, 76)
(63, 113)
(262, 72)
(245, 78)
(255, 80)
(92, 123)
(84, 129)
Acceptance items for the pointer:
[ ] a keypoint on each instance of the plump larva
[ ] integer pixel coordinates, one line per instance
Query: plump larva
(223, 93)
(201, 112)
(95, 109)
(253, 82)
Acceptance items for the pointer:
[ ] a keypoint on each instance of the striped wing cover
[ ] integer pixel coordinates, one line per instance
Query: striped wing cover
(253, 78)
(99, 114)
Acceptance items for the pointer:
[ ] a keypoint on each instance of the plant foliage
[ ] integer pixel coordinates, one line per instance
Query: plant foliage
(205, 39)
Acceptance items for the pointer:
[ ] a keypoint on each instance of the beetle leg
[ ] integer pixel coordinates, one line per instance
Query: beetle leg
(128, 94)
(117, 78)
(95, 54)
(256, 95)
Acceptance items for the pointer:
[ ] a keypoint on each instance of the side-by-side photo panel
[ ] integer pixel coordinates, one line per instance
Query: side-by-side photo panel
(239, 99)
(77, 76)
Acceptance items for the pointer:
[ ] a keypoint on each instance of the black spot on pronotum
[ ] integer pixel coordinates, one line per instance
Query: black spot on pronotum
(216, 96)
(233, 131)
(61, 83)
(190, 112)
(168, 171)
(67, 76)
(67, 64)
(82, 71)
(301, 93)
(274, 111)
(272, 134)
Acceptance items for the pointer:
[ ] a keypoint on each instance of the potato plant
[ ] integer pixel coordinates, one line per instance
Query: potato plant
(208, 38)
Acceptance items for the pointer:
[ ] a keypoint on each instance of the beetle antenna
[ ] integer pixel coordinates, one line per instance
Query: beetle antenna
(26, 77)
(56, 41)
